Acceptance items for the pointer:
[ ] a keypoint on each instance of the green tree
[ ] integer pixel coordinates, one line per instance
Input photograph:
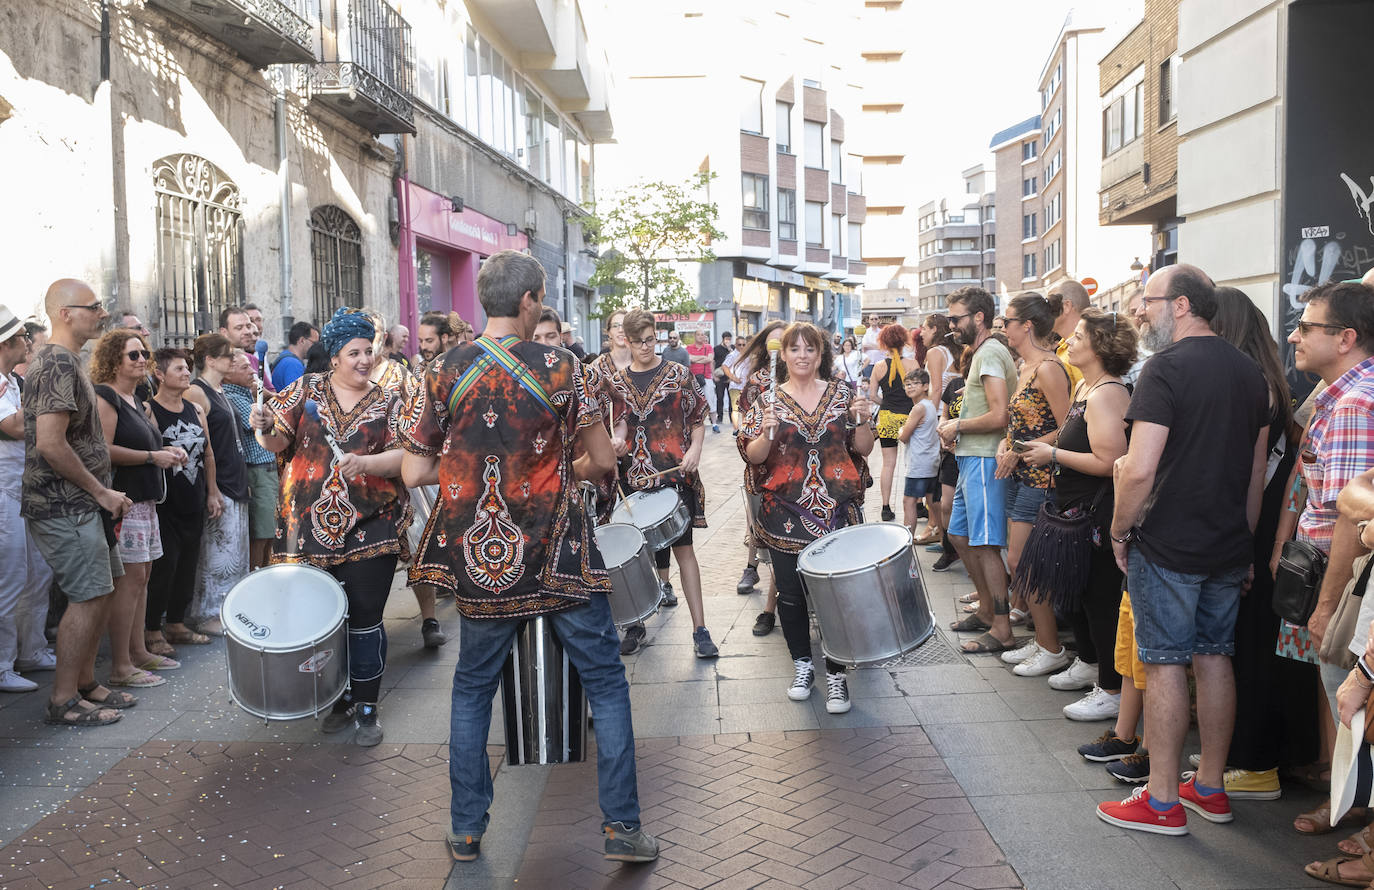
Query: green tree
(643, 232)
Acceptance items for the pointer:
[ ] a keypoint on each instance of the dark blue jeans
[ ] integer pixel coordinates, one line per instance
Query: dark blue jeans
(589, 638)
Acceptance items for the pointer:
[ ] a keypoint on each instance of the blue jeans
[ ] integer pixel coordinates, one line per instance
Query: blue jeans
(1182, 614)
(593, 647)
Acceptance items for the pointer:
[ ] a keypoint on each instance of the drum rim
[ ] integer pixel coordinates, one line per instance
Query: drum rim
(295, 645)
(909, 545)
(643, 542)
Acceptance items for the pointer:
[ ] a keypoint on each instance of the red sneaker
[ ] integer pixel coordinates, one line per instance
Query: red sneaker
(1136, 812)
(1212, 807)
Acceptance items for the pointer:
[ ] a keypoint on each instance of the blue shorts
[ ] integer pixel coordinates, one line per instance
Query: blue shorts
(1182, 614)
(920, 486)
(980, 503)
(1023, 501)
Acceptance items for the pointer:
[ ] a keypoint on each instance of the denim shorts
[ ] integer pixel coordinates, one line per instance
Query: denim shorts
(1023, 501)
(1182, 614)
(979, 512)
(919, 486)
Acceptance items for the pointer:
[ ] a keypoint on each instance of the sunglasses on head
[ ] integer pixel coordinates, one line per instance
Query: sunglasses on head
(135, 354)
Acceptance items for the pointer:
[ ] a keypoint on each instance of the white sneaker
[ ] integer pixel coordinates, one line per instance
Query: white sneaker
(43, 660)
(12, 682)
(1018, 655)
(800, 690)
(1096, 705)
(1042, 663)
(837, 694)
(1080, 675)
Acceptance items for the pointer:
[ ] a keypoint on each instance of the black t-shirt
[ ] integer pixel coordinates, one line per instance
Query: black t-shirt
(1214, 401)
(720, 353)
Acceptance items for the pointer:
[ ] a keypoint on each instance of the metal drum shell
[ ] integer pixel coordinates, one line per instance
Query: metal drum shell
(661, 529)
(544, 706)
(634, 580)
(300, 677)
(870, 614)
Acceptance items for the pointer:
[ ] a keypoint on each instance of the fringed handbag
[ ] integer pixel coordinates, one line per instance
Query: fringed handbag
(1057, 557)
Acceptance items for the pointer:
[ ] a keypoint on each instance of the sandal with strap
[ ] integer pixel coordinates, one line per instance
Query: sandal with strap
(77, 711)
(1330, 870)
(970, 624)
(112, 699)
(1320, 819)
(1359, 843)
(185, 636)
(156, 645)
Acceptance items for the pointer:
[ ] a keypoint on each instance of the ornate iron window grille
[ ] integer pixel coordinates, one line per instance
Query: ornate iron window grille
(336, 256)
(199, 245)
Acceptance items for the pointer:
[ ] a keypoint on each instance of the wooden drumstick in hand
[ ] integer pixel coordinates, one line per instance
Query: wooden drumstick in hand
(774, 347)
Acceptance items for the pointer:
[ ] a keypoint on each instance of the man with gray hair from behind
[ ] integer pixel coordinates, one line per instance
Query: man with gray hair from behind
(1187, 501)
(1068, 299)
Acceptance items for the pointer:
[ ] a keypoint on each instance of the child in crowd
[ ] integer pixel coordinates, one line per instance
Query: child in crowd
(922, 455)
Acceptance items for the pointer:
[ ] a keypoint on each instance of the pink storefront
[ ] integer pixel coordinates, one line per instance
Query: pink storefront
(440, 252)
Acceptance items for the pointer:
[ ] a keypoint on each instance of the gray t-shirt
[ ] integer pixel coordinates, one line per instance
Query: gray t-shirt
(677, 354)
(57, 384)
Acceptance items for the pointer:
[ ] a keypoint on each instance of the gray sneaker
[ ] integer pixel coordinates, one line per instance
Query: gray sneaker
(369, 732)
(634, 638)
(667, 597)
(748, 581)
(337, 720)
(629, 845)
(701, 639)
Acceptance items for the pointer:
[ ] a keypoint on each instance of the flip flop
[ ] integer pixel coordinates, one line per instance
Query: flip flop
(1330, 870)
(159, 663)
(986, 644)
(971, 608)
(139, 679)
(970, 597)
(969, 624)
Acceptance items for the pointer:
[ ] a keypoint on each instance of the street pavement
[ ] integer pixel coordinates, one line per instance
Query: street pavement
(948, 772)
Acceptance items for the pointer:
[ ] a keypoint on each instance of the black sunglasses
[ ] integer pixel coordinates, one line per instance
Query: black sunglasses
(134, 354)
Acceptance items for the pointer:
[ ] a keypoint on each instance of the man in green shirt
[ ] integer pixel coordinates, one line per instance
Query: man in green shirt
(978, 524)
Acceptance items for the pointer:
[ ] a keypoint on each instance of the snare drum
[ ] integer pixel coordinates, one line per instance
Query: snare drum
(286, 641)
(865, 585)
(542, 698)
(660, 515)
(634, 581)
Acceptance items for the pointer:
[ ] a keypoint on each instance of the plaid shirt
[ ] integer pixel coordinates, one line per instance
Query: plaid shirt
(1339, 447)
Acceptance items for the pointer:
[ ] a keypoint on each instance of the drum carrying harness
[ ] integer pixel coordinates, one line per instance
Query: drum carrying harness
(497, 355)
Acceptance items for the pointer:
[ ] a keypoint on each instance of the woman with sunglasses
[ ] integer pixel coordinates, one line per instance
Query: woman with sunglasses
(119, 363)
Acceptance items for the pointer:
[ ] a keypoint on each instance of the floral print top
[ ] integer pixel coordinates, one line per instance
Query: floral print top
(661, 416)
(1030, 417)
(322, 518)
(508, 534)
(810, 483)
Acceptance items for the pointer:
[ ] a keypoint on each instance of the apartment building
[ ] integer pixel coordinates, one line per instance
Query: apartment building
(1016, 157)
(1138, 84)
(956, 242)
(1290, 209)
(1060, 191)
(786, 184)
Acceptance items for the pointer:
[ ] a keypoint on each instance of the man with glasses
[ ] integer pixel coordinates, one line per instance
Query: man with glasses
(978, 521)
(24, 576)
(1187, 501)
(68, 502)
(666, 417)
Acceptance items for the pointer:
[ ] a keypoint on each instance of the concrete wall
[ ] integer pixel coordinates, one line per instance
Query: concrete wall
(78, 180)
(1231, 197)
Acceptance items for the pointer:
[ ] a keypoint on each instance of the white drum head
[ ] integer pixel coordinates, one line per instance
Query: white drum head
(283, 607)
(644, 508)
(854, 549)
(618, 542)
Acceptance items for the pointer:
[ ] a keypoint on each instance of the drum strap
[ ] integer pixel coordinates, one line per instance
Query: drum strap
(498, 355)
(803, 513)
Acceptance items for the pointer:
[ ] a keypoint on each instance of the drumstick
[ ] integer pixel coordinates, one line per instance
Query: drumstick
(663, 473)
(859, 331)
(624, 500)
(774, 346)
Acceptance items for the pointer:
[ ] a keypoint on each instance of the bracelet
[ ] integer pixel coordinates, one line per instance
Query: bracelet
(1124, 539)
(1358, 676)
(1054, 454)
(149, 459)
(958, 427)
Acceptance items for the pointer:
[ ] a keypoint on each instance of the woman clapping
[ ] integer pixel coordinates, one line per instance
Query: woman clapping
(342, 506)
(803, 448)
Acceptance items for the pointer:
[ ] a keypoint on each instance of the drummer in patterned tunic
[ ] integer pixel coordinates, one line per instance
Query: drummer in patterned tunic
(666, 413)
(494, 426)
(342, 507)
(803, 448)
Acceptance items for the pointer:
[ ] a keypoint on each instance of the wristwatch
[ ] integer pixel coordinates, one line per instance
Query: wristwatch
(148, 459)
(1364, 669)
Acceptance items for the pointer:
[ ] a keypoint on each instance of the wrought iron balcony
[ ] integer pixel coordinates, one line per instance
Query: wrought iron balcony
(265, 32)
(366, 67)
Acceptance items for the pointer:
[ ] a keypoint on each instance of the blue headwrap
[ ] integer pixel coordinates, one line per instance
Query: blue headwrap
(347, 324)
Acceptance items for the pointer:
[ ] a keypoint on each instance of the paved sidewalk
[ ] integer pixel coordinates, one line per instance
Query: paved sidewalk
(949, 771)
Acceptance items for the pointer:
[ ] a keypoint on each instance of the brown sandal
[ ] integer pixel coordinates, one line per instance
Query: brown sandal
(1330, 870)
(182, 637)
(1359, 843)
(112, 699)
(86, 713)
(1321, 819)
